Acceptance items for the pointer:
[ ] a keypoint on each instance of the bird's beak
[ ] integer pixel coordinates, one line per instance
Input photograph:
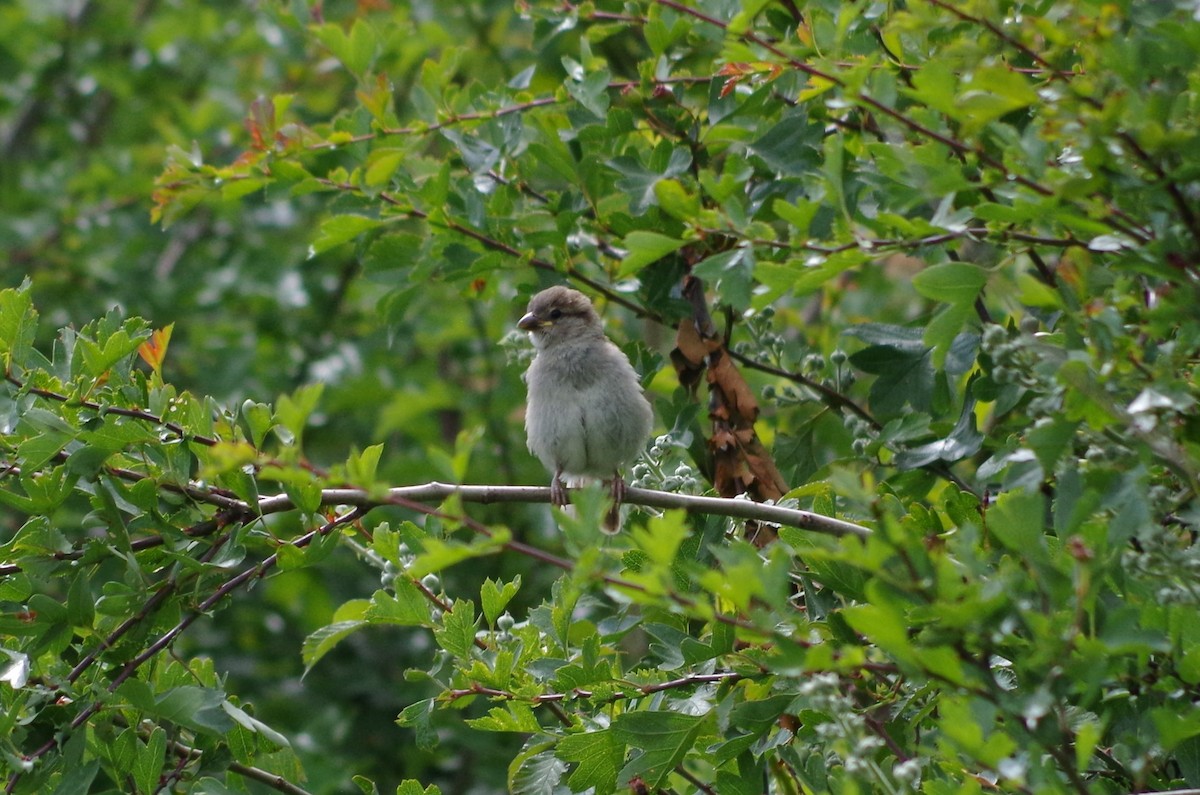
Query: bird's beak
(531, 322)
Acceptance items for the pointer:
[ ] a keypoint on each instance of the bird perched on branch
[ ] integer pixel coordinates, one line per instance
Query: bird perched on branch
(586, 414)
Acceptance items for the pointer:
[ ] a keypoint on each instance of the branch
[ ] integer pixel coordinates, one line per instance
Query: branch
(266, 777)
(719, 506)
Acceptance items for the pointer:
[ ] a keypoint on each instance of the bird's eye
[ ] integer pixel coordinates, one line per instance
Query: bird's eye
(555, 314)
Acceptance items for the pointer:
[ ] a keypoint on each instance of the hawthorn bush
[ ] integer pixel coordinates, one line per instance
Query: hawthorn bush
(922, 273)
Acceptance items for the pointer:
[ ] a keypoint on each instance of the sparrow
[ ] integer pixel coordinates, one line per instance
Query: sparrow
(586, 414)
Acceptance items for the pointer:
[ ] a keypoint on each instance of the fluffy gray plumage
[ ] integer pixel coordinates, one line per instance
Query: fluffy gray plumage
(586, 414)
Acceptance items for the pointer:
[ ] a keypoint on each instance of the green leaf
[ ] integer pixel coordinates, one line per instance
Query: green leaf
(536, 770)
(407, 608)
(952, 282)
(259, 419)
(964, 441)
(18, 324)
(644, 248)
(339, 229)
(98, 358)
(591, 92)
(81, 608)
(495, 597)
(356, 51)
(78, 779)
(790, 147)
(598, 756)
(1050, 439)
(361, 466)
(675, 200)
(904, 377)
(322, 641)
(439, 555)
(365, 785)
(148, 760)
(882, 626)
(37, 451)
(944, 329)
(799, 214)
(381, 165)
(253, 724)
(418, 717)
(191, 706)
(513, 717)
(292, 411)
(457, 632)
(1018, 521)
(663, 738)
(413, 787)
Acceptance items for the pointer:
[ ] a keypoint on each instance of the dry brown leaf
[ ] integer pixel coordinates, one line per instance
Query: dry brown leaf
(741, 463)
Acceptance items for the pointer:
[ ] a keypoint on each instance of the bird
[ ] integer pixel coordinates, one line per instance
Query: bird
(586, 414)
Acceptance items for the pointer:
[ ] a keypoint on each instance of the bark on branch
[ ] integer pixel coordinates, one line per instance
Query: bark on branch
(720, 506)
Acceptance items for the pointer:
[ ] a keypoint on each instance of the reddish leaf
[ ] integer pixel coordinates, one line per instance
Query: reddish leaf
(154, 350)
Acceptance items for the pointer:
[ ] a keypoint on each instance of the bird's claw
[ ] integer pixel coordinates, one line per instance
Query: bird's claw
(618, 489)
(558, 492)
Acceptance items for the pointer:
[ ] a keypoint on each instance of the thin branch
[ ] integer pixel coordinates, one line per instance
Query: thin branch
(719, 506)
(266, 777)
(635, 691)
(100, 410)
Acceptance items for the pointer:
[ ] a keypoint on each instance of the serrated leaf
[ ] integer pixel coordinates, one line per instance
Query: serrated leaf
(790, 147)
(663, 738)
(457, 633)
(439, 555)
(407, 608)
(538, 772)
(598, 756)
(494, 597)
(361, 466)
(413, 787)
(513, 717)
(18, 324)
(799, 215)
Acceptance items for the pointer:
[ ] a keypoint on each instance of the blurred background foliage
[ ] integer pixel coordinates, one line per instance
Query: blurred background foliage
(954, 247)
(93, 97)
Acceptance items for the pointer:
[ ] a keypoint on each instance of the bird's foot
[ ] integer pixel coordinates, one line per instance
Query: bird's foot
(612, 519)
(618, 488)
(558, 491)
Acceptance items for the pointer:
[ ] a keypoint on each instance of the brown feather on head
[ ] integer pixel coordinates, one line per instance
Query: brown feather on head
(563, 307)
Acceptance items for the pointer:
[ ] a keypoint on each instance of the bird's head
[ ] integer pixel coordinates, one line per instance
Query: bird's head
(560, 313)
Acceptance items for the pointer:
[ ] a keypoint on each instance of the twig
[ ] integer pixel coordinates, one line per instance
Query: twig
(272, 780)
